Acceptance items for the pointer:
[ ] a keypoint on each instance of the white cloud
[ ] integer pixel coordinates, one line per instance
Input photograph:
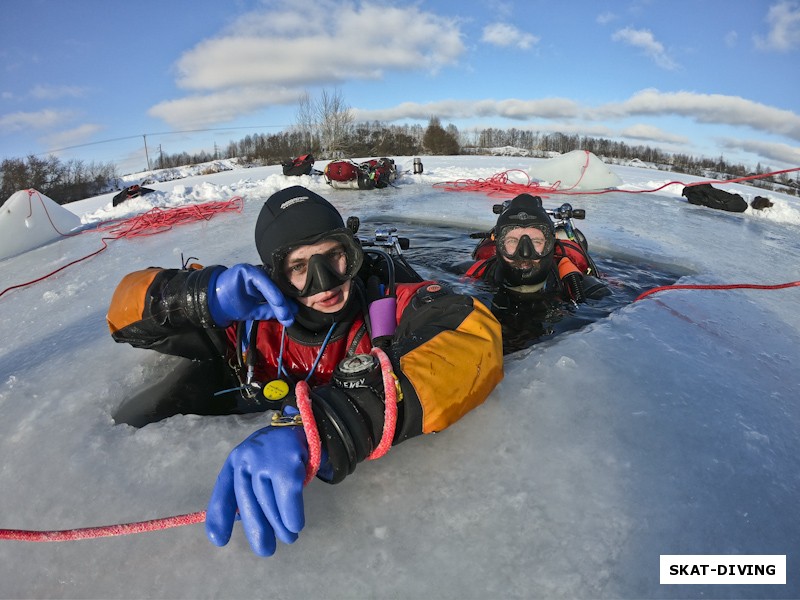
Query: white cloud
(606, 17)
(646, 41)
(220, 107)
(499, 8)
(651, 133)
(54, 92)
(329, 43)
(270, 56)
(702, 108)
(42, 119)
(547, 108)
(503, 34)
(72, 137)
(707, 108)
(784, 34)
(731, 38)
(784, 153)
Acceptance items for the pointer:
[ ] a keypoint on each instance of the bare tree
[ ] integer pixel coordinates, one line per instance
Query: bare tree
(325, 123)
(335, 119)
(305, 120)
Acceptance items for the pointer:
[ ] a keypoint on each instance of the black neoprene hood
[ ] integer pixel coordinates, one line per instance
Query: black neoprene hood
(525, 211)
(290, 217)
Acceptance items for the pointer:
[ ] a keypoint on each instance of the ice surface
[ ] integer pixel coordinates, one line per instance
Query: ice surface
(670, 427)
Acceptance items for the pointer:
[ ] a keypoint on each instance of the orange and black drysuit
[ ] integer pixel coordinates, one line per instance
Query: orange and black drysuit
(446, 353)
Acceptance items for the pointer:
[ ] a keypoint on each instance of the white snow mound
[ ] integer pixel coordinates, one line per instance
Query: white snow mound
(577, 170)
(29, 219)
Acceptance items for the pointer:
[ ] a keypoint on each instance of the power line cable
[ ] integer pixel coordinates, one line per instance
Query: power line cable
(131, 137)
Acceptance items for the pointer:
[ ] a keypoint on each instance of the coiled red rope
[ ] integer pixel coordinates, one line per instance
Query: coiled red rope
(502, 185)
(156, 220)
(303, 394)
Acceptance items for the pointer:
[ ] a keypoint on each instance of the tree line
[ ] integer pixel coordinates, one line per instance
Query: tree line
(65, 181)
(74, 180)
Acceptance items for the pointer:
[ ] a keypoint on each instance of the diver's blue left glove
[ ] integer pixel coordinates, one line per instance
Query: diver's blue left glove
(262, 478)
(245, 292)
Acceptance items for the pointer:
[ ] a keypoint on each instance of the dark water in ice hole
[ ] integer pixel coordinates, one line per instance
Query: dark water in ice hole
(187, 387)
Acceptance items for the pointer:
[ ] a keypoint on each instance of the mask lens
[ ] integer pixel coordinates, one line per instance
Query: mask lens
(528, 242)
(308, 274)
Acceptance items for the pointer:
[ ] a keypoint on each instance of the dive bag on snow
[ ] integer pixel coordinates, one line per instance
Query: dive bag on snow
(133, 191)
(298, 166)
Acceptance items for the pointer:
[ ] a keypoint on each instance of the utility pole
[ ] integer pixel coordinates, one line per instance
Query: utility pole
(145, 152)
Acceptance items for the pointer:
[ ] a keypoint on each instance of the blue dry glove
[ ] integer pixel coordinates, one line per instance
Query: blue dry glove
(245, 292)
(263, 479)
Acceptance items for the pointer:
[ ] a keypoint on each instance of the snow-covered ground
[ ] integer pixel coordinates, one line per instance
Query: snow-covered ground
(670, 427)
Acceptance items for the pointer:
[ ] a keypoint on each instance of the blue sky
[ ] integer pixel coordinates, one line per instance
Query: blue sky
(710, 78)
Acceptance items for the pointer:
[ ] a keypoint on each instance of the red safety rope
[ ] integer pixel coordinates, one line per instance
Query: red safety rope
(731, 286)
(315, 453)
(303, 395)
(390, 390)
(156, 220)
(500, 185)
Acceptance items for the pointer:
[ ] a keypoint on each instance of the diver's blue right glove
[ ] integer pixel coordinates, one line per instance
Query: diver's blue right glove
(262, 479)
(244, 293)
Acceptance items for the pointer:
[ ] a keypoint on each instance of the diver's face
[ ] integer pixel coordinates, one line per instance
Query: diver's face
(511, 245)
(295, 269)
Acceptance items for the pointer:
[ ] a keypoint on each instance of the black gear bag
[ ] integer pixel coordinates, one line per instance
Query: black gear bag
(707, 195)
(298, 166)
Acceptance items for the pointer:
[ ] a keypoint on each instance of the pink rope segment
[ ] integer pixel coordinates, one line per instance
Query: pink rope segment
(303, 393)
(390, 405)
(69, 535)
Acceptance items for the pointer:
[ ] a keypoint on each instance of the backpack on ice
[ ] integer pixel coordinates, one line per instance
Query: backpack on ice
(298, 166)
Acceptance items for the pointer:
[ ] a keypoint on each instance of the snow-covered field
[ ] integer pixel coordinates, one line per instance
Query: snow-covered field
(670, 427)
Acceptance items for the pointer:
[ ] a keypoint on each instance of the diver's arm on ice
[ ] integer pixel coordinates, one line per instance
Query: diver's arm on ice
(447, 357)
(448, 352)
(167, 310)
